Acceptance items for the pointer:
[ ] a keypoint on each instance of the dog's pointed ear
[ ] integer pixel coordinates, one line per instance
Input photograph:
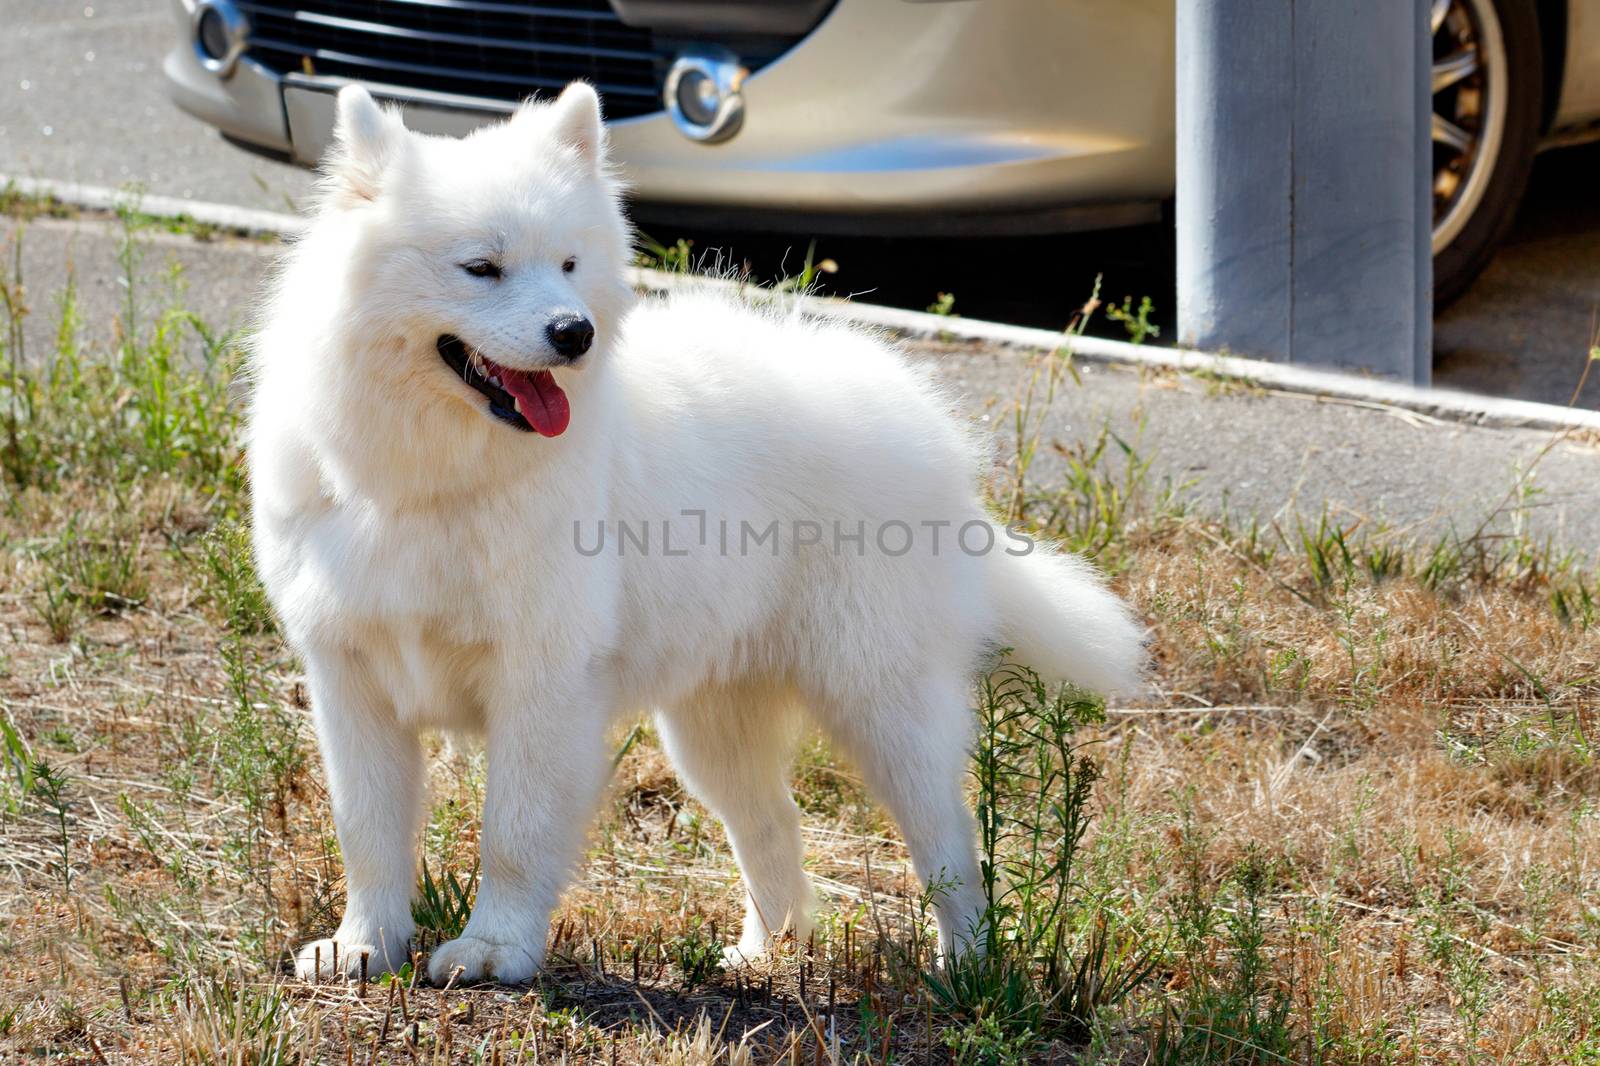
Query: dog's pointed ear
(575, 121)
(366, 138)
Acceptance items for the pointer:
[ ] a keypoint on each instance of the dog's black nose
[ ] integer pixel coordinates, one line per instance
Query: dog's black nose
(570, 335)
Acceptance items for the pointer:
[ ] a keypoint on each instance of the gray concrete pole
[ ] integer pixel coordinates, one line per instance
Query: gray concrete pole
(1304, 170)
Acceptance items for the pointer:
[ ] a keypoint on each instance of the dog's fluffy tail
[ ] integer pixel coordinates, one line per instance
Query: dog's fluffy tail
(1059, 619)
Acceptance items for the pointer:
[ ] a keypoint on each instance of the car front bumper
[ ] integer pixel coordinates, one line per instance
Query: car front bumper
(890, 116)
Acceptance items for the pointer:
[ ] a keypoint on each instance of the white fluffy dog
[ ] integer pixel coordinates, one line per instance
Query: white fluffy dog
(494, 495)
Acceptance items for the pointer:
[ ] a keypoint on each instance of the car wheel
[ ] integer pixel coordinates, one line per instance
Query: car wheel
(1488, 83)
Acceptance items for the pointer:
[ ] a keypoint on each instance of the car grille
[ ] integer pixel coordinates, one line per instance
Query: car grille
(482, 48)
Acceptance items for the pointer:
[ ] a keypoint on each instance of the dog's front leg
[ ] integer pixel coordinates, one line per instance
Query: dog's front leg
(547, 768)
(375, 778)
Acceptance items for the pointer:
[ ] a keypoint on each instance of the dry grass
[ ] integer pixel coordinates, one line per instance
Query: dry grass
(1355, 822)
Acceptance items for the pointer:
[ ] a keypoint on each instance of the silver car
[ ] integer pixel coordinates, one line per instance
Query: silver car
(869, 116)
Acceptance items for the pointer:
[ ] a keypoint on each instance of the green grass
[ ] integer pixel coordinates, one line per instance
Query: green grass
(159, 406)
(232, 584)
(443, 905)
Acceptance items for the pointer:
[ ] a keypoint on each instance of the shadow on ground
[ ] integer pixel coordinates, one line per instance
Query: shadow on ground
(1525, 329)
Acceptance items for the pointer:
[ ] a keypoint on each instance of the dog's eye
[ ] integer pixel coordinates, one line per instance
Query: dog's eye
(570, 265)
(482, 268)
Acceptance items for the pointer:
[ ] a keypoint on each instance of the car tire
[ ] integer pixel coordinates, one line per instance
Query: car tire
(1488, 89)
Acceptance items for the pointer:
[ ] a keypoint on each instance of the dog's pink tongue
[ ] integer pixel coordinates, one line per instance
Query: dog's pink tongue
(543, 403)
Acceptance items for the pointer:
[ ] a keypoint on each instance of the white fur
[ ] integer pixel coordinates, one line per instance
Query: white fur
(422, 556)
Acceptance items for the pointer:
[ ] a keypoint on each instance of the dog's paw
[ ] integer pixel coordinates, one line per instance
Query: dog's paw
(737, 955)
(752, 948)
(479, 960)
(340, 956)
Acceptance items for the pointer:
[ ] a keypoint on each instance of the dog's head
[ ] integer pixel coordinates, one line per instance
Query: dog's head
(491, 268)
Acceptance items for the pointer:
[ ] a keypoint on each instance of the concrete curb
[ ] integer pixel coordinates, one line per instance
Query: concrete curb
(1442, 404)
(242, 220)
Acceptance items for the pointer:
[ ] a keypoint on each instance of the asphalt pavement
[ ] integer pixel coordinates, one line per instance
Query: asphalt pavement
(82, 99)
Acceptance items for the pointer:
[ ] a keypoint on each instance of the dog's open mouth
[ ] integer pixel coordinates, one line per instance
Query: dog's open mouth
(530, 400)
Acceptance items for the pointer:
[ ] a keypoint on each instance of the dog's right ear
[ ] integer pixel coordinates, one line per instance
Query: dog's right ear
(365, 140)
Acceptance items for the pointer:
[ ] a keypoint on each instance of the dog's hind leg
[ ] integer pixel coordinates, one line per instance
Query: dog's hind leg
(733, 746)
(910, 738)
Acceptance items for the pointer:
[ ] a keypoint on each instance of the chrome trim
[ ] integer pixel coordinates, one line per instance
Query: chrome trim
(535, 10)
(380, 29)
(722, 68)
(490, 107)
(234, 24)
(479, 48)
(426, 68)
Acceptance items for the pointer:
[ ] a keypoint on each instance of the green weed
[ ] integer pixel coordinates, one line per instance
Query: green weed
(233, 586)
(1233, 1012)
(1105, 488)
(811, 272)
(443, 904)
(1576, 601)
(1053, 956)
(159, 405)
(674, 258)
(100, 569)
(697, 952)
(1136, 321)
(37, 782)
